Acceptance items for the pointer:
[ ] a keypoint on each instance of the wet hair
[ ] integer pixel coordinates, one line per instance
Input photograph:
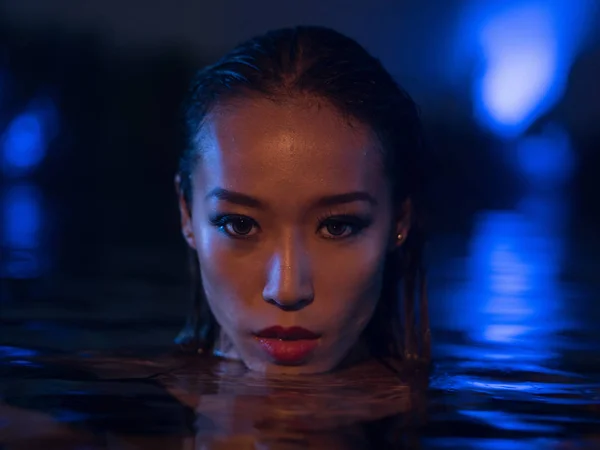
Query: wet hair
(323, 64)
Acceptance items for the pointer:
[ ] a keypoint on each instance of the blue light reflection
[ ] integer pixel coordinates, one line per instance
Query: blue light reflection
(507, 324)
(514, 264)
(21, 232)
(512, 306)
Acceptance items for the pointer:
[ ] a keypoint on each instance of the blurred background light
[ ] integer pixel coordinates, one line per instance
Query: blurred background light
(24, 142)
(547, 158)
(525, 50)
(26, 138)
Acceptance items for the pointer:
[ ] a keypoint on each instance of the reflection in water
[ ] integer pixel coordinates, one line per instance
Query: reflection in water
(176, 402)
(513, 294)
(512, 361)
(171, 402)
(512, 297)
(21, 234)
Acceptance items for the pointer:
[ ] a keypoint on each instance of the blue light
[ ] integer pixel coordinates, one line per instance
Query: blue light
(511, 304)
(21, 217)
(548, 158)
(489, 444)
(526, 49)
(16, 352)
(26, 138)
(20, 234)
(24, 144)
(511, 421)
(514, 263)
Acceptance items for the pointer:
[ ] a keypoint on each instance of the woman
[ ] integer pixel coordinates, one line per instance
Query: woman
(298, 197)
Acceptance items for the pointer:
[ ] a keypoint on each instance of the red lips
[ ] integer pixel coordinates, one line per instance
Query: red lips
(288, 334)
(287, 346)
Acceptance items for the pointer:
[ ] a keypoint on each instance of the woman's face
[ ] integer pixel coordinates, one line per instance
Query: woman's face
(291, 218)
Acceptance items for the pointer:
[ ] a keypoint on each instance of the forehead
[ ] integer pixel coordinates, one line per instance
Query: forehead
(300, 149)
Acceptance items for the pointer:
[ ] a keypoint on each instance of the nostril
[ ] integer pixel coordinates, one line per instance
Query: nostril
(290, 306)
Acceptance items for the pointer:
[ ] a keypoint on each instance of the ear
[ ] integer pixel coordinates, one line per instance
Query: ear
(186, 219)
(403, 222)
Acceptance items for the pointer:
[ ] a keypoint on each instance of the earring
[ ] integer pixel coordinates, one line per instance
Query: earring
(400, 237)
(189, 236)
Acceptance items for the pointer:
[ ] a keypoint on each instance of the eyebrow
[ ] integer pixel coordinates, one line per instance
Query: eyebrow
(234, 197)
(252, 202)
(349, 197)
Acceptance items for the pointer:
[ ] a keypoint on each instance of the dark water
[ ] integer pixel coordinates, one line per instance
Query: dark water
(478, 396)
(516, 360)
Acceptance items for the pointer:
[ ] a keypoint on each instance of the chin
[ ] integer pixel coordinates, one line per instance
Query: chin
(321, 361)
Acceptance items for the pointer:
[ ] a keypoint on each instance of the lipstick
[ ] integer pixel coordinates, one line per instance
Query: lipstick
(287, 346)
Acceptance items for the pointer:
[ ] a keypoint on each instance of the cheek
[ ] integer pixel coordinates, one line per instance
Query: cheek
(349, 284)
(229, 276)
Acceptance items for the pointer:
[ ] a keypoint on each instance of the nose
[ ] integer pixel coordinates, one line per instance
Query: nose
(289, 285)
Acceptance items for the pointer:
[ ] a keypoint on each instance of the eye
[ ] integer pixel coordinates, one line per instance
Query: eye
(236, 226)
(342, 227)
(240, 226)
(337, 229)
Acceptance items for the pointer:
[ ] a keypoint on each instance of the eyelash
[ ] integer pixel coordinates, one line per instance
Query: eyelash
(357, 224)
(223, 220)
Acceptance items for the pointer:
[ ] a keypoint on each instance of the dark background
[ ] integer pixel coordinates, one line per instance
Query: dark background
(97, 244)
